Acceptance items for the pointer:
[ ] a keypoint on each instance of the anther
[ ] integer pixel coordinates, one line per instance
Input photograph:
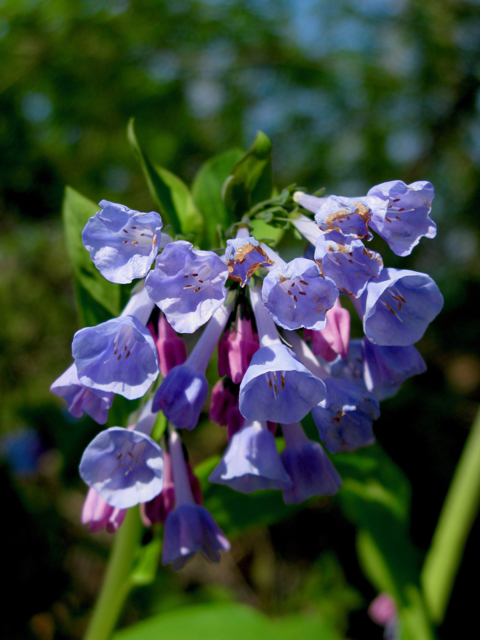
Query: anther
(130, 454)
(302, 293)
(303, 282)
(390, 308)
(275, 387)
(119, 456)
(133, 227)
(124, 241)
(128, 353)
(115, 352)
(134, 241)
(197, 289)
(125, 231)
(283, 381)
(119, 357)
(270, 383)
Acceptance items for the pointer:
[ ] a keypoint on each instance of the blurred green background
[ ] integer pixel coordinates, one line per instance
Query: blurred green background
(352, 93)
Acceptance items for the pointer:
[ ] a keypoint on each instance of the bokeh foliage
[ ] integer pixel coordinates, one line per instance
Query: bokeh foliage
(351, 93)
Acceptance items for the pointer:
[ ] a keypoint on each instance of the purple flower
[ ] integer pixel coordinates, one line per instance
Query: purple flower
(386, 368)
(398, 306)
(118, 356)
(406, 218)
(188, 285)
(347, 262)
(125, 467)
(251, 461)
(276, 386)
(298, 296)
(243, 257)
(344, 419)
(308, 466)
(99, 515)
(123, 243)
(189, 528)
(80, 398)
(182, 394)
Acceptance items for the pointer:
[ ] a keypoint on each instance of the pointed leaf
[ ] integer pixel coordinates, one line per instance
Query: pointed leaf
(207, 191)
(251, 179)
(171, 195)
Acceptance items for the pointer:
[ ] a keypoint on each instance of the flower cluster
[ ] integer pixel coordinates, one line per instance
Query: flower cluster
(284, 351)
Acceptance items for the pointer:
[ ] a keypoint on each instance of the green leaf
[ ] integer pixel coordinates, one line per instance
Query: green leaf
(251, 179)
(234, 511)
(228, 621)
(376, 497)
(146, 564)
(171, 195)
(98, 299)
(207, 192)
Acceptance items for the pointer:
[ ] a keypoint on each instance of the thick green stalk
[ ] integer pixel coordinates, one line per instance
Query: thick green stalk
(116, 584)
(456, 519)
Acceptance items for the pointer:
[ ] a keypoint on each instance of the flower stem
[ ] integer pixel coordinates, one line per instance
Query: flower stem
(116, 584)
(456, 519)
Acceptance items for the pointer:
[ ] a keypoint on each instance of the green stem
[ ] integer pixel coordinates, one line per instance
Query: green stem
(453, 527)
(116, 584)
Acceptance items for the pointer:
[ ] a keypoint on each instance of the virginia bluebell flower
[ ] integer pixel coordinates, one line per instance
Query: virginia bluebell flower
(308, 466)
(347, 262)
(350, 216)
(297, 295)
(189, 528)
(386, 368)
(276, 386)
(344, 417)
(122, 243)
(398, 306)
(183, 392)
(118, 356)
(251, 461)
(125, 466)
(244, 256)
(406, 217)
(188, 285)
(81, 399)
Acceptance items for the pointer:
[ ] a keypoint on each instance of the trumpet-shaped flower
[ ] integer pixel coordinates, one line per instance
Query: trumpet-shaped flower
(398, 306)
(386, 368)
(244, 256)
(122, 243)
(277, 387)
(344, 419)
(188, 285)
(182, 394)
(297, 295)
(308, 466)
(81, 399)
(189, 528)
(118, 356)
(125, 467)
(347, 262)
(406, 217)
(251, 461)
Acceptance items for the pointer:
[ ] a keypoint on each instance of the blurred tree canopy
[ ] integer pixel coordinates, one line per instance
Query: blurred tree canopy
(352, 93)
